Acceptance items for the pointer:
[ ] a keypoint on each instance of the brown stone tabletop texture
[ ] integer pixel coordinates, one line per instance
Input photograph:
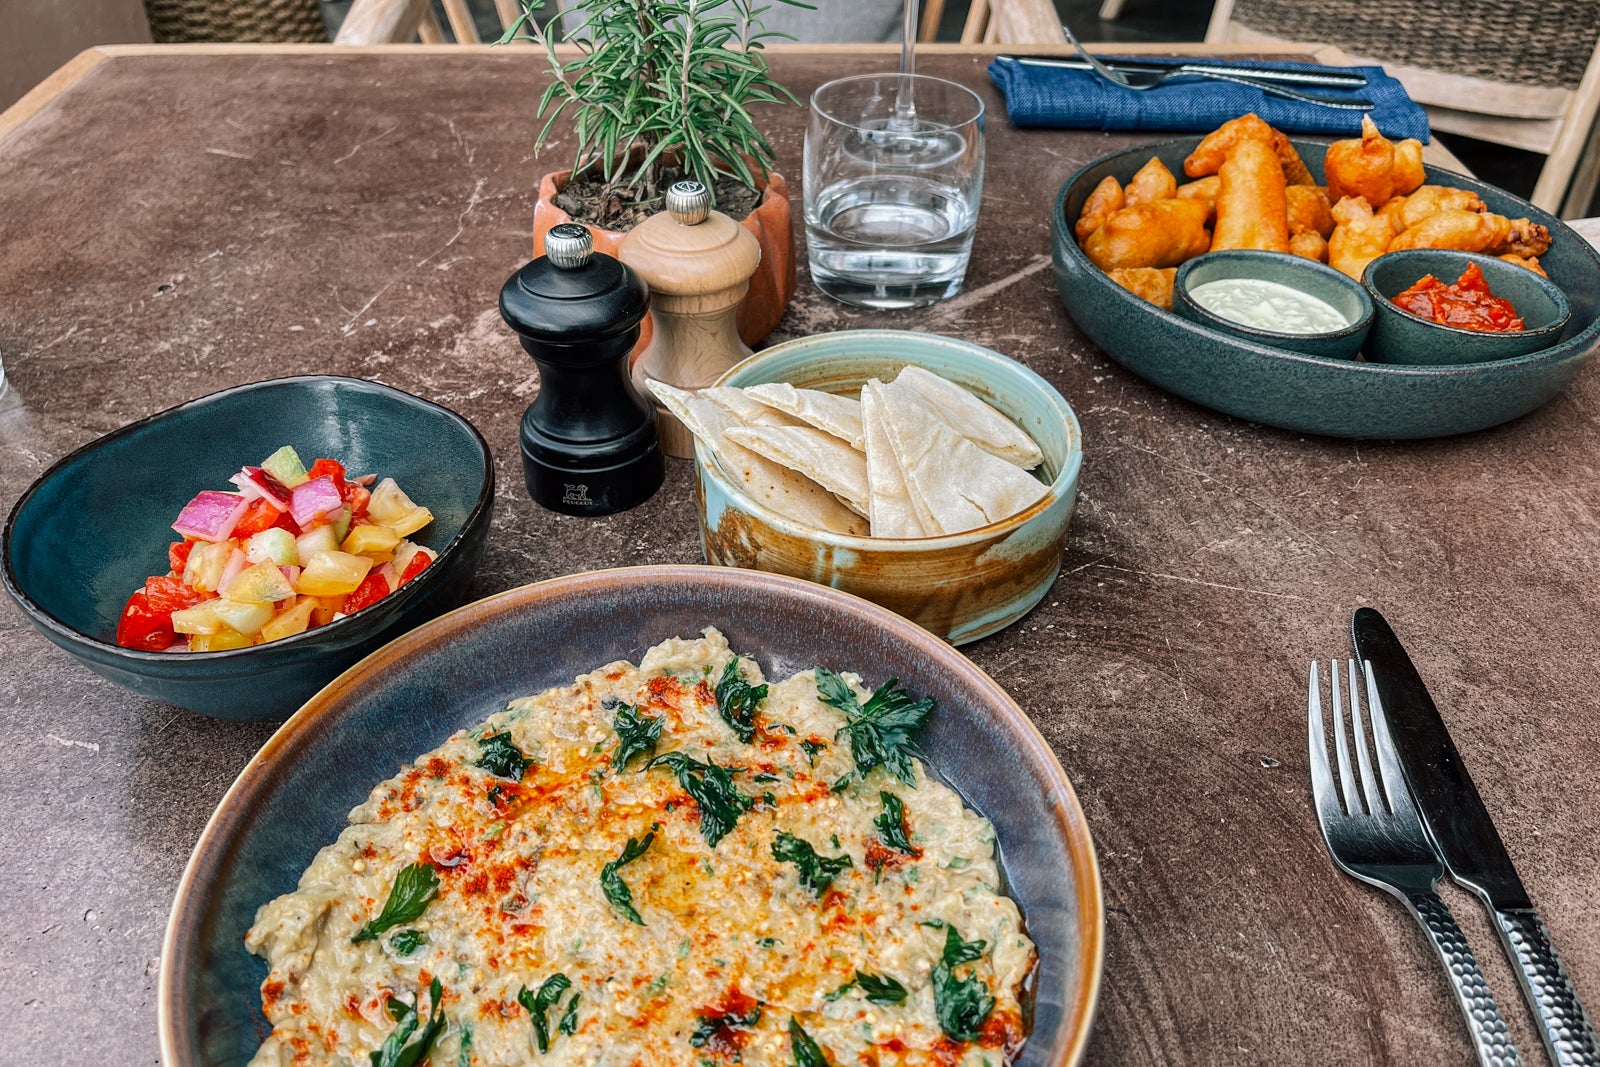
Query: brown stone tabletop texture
(172, 226)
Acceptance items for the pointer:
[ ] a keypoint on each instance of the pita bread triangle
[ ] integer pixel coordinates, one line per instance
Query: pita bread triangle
(836, 415)
(889, 506)
(972, 418)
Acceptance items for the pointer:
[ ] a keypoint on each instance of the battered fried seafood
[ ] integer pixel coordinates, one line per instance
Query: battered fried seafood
(1209, 154)
(1310, 210)
(1151, 182)
(1359, 236)
(1252, 211)
(1151, 283)
(1373, 166)
(1159, 234)
(1106, 200)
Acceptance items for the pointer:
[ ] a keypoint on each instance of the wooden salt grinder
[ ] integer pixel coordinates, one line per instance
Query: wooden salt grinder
(698, 264)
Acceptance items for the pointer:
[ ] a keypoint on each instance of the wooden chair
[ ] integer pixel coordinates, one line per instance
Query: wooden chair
(1010, 22)
(1514, 73)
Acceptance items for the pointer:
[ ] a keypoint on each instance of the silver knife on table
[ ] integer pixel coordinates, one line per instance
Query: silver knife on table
(1330, 79)
(1466, 840)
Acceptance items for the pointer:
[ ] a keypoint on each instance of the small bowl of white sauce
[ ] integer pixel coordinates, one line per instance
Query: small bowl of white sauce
(1276, 299)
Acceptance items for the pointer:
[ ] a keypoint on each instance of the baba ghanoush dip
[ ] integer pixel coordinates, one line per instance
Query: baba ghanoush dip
(674, 863)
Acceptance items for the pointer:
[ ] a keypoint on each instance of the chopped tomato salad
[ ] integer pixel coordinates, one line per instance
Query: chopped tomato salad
(293, 548)
(1466, 304)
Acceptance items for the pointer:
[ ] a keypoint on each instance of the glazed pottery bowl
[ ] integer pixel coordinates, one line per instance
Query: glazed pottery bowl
(1401, 337)
(407, 698)
(960, 586)
(1319, 394)
(1338, 291)
(97, 524)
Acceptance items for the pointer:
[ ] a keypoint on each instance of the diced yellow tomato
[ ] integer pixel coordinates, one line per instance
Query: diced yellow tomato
(333, 573)
(370, 541)
(244, 618)
(296, 619)
(327, 607)
(262, 584)
(203, 569)
(200, 619)
(411, 521)
(220, 641)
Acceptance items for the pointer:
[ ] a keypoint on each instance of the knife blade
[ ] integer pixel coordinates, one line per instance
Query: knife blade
(1464, 835)
(1330, 80)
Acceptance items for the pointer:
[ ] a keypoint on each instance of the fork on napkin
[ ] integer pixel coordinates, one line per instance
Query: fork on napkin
(1080, 99)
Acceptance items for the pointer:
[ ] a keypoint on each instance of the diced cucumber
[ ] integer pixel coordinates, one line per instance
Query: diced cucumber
(333, 573)
(262, 584)
(309, 544)
(285, 465)
(246, 619)
(273, 546)
(341, 522)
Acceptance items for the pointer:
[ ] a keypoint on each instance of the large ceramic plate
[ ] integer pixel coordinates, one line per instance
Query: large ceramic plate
(407, 697)
(1341, 398)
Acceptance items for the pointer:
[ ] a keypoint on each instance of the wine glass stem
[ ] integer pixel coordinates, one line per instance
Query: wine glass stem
(905, 108)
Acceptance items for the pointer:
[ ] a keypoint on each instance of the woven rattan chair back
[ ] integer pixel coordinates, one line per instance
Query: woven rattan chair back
(1506, 71)
(252, 21)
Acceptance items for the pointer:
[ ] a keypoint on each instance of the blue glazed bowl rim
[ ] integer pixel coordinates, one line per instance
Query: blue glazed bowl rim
(1069, 1043)
(1180, 288)
(1059, 486)
(391, 603)
(1457, 332)
(1066, 244)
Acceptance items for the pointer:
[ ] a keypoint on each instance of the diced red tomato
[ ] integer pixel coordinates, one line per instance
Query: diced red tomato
(357, 496)
(331, 467)
(371, 590)
(259, 516)
(414, 568)
(143, 627)
(178, 555)
(170, 594)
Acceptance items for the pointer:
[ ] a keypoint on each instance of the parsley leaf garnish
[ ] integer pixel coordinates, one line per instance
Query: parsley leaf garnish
(737, 700)
(708, 1026)
(638, 734)
(811, 748)
(395, 1052)
(617, 890)
(539, 1004)
(880, 730)
(816, 872)
(892, 824)
(569, 1018)
(878, 988)
(712, 789)
(405, 942)
(414, 887)
(962, 1003)
(806, 1052)
(501, 757)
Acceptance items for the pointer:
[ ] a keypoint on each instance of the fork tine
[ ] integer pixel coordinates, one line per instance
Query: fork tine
(1322, 787)
(1394, 782)
(1347, 778)
(1369, 784)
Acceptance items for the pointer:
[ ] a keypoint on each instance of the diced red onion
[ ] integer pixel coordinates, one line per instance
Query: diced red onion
(363, 480)
(316, 497)
(236, 563)
(293, 574)
(257, 484)
(211, 516)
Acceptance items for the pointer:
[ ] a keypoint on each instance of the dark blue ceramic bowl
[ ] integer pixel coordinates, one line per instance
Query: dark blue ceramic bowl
(295, 795)
(1312, 394)
(97, 524)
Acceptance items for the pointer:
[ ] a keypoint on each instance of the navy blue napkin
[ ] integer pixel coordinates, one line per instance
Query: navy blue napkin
(1081, 99)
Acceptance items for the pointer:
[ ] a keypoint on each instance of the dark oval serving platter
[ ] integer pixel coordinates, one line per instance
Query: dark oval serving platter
(406, 698)
(1339, 398)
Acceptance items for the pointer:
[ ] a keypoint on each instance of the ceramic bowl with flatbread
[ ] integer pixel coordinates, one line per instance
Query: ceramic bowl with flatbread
(960, 586)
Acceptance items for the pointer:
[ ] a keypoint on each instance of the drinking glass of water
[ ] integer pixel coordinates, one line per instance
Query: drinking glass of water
(893, 173)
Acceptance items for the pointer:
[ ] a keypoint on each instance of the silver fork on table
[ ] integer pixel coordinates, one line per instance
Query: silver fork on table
(1149, 79)
(1378, 837)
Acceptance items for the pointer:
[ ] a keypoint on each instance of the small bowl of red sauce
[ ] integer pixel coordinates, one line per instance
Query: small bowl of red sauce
(1437, 306)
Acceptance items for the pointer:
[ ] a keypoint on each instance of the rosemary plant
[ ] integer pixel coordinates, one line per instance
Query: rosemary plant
(672, 79)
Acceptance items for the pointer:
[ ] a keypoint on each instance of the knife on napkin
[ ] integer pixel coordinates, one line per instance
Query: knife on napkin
(1331, 79)
(1467, 842)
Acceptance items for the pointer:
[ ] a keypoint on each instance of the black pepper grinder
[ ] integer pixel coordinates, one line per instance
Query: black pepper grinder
(589, 443)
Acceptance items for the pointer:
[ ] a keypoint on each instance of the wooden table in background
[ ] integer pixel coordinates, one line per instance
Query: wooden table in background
(177, 222)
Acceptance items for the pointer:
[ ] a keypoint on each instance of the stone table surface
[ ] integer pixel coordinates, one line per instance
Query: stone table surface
(172, 225)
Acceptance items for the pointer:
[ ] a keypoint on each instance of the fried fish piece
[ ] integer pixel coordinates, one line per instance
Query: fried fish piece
(1209, 154)
(1310, 210)
(1162, 233)
(1310, 244)
(1106, 199)
(1205, 190)
(1150, 283)
(1252, 207)
(1153, 181)
(1359, 236)
(1531, 262)
(1455, 228)
(1373, 166)
(1428, 199)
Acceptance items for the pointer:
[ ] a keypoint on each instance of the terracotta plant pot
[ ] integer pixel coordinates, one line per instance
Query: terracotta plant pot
(772, 286)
